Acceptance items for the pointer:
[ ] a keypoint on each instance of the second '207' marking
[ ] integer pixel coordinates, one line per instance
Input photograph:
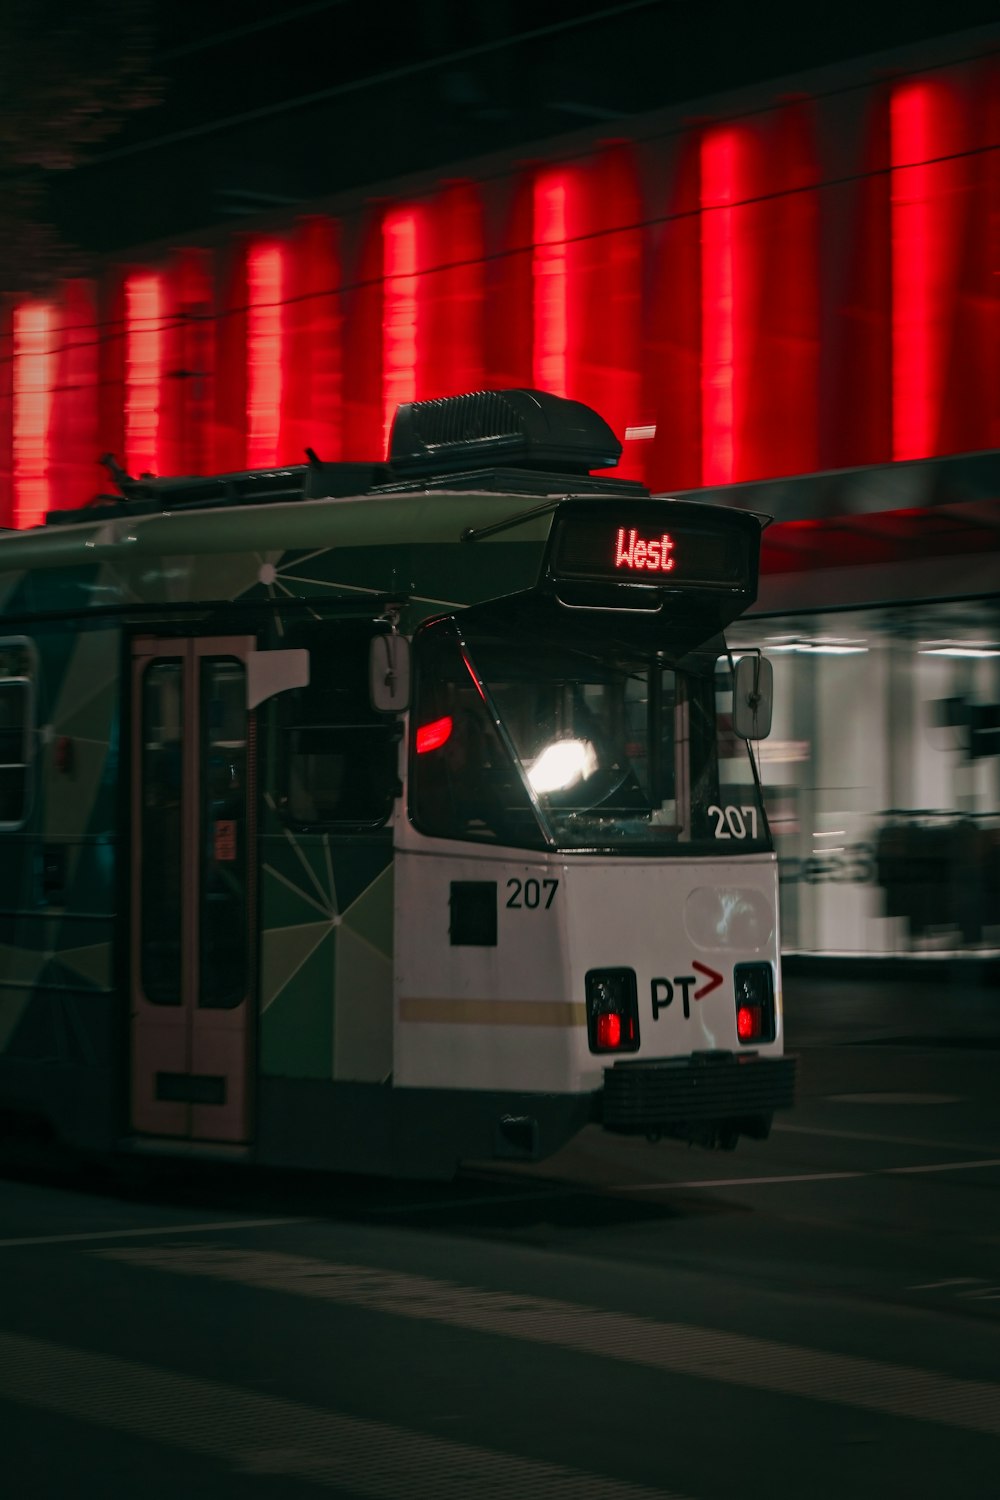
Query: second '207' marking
(531, 893)
(730, 822)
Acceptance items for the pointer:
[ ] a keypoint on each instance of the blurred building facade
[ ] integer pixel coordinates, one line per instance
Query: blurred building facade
(789, 296)
(880, 611)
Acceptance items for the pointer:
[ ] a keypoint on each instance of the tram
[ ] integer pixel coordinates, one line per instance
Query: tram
(381, 817)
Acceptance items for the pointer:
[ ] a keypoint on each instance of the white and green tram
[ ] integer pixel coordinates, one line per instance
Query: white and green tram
(380, 817)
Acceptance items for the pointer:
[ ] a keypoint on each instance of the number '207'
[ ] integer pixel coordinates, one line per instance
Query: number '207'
(730, 822)
(531, 893)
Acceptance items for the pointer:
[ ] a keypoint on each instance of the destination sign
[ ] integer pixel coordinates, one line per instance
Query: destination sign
(654, 554)
(691, 550)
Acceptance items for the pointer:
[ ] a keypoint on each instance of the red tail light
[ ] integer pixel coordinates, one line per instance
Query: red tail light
(748, 1023)
(756, 1014)
(609, 1031)
(612, 1011)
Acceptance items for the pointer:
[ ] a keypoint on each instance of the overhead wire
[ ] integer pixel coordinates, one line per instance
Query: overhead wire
(111, 329)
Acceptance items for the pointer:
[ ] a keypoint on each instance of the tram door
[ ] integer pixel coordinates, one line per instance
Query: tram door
(192, 835)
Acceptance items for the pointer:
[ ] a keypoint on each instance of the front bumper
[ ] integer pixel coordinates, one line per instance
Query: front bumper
(689, 1095)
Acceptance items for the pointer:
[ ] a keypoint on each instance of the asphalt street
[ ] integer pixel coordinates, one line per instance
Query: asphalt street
(814, 1315)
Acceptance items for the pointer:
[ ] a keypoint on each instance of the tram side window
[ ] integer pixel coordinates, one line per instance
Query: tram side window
(15, 727)
(338, 761)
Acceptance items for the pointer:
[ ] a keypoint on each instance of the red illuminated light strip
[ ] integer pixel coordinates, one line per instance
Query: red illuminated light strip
(143, 373)
(265, 277)
(549, 281)
(915, 382)
(433, 735)
(399, 314)
(34, 371)
(718, 307)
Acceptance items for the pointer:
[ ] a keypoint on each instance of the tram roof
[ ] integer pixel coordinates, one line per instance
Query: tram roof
(459, 514)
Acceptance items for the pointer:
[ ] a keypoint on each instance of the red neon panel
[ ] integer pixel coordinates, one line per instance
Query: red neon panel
(451, 358)
(778, 393)
(187, 393)
(265, 281)
(912, 271)
(588, 292)
(509, 313)
(74, 471)
(143, 373)
(550, 277)
(6, 413)
(611, 293)
(970, 411)
(926, 204)
(720, 189)
(313, 385)
(400, 312)
(363, 412)
(111, 367)
(672, 332)
(855, 414)
(34, 368)
(432, 736)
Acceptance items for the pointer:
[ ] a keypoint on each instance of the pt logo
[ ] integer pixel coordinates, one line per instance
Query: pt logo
(663, 990)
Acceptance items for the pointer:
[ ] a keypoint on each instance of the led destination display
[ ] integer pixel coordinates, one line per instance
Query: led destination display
(640, 548)
(633, 551)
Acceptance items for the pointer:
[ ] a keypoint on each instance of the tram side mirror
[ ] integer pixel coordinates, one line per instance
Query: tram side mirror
(753, 695)
(389, 673)
(270, 672)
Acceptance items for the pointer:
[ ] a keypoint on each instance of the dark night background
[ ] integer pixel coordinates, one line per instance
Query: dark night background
(138, 120)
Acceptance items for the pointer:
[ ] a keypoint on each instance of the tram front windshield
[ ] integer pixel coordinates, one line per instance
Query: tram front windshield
(539, 743)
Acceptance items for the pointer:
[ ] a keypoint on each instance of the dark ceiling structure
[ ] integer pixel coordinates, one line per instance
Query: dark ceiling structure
(262, 109)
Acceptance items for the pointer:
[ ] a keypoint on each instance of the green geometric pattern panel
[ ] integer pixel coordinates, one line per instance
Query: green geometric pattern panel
(311, 885)
(296, 1024)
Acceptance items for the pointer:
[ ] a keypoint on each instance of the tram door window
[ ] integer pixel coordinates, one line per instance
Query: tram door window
(160, 813)
(14, 725)
(222, 886)
(16, 730)
(191, 832)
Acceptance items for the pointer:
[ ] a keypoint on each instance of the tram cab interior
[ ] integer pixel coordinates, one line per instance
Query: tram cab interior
(567, 742)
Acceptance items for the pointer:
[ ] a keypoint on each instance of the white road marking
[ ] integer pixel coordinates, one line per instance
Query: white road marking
(256, 1434)
(731, 1182)
(676, 1348)
(898, 1097)
(141, 1234)
(667, 1185)
(945, 1166)
(559, 1190)
(728, 1182)
(491, 1200)
(933, 1286)
(882, 1139)
(961, 1286)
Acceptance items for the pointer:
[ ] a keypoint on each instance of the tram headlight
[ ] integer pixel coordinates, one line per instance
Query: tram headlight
(755, 1019)
(562, 764)
(612, 1010)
